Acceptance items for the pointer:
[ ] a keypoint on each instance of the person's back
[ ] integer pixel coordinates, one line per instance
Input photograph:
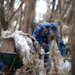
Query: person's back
(41, 33)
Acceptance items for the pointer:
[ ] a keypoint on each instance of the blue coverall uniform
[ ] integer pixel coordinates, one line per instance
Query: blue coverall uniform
(42, 37)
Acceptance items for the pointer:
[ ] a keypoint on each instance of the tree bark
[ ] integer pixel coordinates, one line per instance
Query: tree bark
(53, 5)
(66, 8)
(59, 6)
(2, 15)
(29, 15)
(73, 37)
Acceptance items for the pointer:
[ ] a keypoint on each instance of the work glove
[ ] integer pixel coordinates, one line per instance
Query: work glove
(44, 46)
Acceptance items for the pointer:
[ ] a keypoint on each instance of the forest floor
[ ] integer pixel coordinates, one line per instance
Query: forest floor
(58, 68)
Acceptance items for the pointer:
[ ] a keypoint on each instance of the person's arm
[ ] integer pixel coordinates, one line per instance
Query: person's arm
(61, 46)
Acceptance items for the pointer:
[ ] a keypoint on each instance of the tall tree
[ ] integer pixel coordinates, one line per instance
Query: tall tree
(73, 37)
(29, 15)
(2, 15)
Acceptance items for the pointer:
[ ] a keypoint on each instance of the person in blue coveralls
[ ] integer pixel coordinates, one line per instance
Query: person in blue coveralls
(44, 34)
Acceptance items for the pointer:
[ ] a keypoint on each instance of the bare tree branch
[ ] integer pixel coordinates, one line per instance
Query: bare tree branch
(53, 5)
(59, 2)
(73, 37)
(66, 8)
(15, 12)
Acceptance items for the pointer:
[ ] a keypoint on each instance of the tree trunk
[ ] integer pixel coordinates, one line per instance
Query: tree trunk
(11, 9)
(59, 2)
(2, 15)
(29, 15)
(53, 5)
(73, 38)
